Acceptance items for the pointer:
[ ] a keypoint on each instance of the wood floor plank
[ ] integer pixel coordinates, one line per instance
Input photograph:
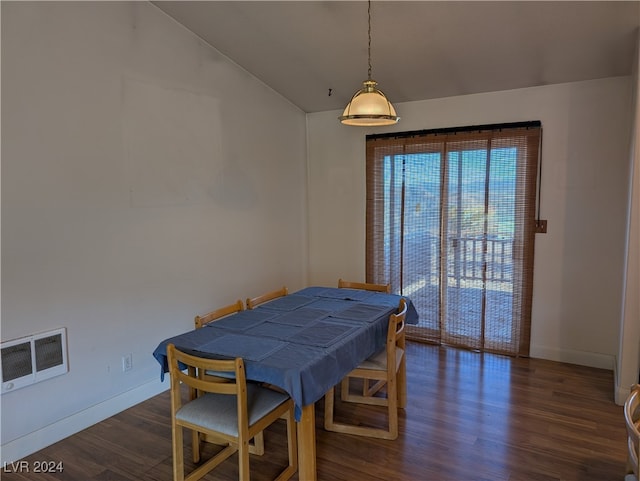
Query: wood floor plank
(470, 417)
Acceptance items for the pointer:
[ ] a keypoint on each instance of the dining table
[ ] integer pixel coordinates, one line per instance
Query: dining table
(303, 343)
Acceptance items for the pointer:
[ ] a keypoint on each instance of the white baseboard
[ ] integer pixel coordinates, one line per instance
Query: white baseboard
(621, 394)
(582, 358)
(37, 440)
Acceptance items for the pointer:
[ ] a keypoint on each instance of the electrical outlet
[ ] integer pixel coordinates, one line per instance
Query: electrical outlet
(127, 362)
(541, 227)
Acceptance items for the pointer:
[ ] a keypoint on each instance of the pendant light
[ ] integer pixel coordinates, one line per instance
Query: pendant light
(369, 106)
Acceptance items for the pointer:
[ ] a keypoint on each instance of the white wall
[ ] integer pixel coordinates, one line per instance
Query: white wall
(578, 263)
(144, 181)
(628, 362)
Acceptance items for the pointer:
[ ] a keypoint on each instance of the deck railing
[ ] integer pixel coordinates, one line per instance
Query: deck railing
(481, 258)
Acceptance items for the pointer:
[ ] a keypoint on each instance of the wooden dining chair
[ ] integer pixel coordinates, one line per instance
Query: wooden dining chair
(205, 319)
(269, 296)
(229, 409)
(387, 367)
(386, 288)
(257, 446)
(632, 420)
(365, 285)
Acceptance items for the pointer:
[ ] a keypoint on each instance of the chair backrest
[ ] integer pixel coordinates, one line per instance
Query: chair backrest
(269, 296)
(196, 379)
(632, 420)
(200, 321)
(365, 285)
(395, 333)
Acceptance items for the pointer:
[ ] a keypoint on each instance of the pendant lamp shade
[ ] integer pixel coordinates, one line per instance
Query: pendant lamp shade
(369, 106)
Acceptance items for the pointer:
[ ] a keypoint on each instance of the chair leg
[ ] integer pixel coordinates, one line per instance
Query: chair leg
(328, 408)
(195, 446)
(178, 455)
(243, 460)
(392, 398)
(292, 446)
(402, 383)
(344, 388)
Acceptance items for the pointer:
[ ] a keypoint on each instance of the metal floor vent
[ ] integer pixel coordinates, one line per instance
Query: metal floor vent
(32, 359)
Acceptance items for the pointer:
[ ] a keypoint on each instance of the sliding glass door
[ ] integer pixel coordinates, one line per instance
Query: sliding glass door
(450, 223)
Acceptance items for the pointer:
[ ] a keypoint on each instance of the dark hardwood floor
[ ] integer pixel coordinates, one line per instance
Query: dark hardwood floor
(471, 417)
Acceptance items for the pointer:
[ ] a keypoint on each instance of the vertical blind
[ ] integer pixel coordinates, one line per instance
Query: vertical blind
(451, 223)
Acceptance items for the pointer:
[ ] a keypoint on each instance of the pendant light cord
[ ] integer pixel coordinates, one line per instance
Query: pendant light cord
(369, 14)
(369, 106)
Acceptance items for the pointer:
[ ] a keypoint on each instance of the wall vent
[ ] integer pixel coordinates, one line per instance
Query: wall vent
(32, 359)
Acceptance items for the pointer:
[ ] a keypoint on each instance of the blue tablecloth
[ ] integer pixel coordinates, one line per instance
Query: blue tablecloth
(304, 343)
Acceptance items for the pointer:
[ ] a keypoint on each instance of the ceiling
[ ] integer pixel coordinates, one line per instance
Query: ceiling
(420, 50)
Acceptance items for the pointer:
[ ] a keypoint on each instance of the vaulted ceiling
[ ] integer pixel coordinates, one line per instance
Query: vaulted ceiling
(420, 50)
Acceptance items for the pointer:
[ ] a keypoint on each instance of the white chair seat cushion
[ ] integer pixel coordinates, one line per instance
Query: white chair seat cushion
(219, 412)
(378, 362)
